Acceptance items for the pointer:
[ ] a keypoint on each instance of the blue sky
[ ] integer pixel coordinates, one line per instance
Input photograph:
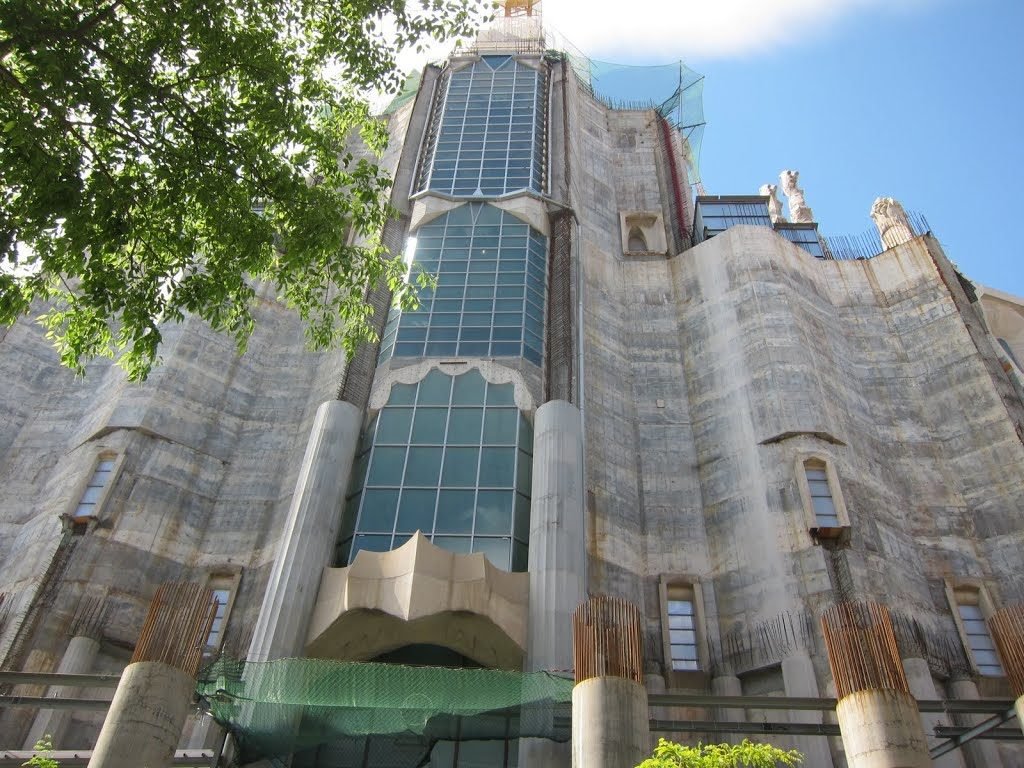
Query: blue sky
(915, 99)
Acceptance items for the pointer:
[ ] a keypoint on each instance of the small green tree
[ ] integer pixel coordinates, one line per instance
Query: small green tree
(744, 755)
(43, 757)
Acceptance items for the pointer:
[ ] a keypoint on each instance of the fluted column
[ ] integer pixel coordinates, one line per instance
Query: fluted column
(51, 723)
(557, 557)
(307, 541)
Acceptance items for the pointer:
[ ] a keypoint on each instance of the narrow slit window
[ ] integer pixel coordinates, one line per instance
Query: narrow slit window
(823, 505)
(682, 634)
(221, 597)
(979, 641)
(99, 480)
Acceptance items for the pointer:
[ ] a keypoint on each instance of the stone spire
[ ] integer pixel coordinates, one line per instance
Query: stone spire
(892, 222)
(774, 206)
(799, 213)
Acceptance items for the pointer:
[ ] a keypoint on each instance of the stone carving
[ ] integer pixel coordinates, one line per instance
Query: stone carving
(892, 222)
(774, 206)
(799, 213)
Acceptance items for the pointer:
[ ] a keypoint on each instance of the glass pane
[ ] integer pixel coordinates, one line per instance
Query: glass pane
(464, 425)
(971, 612)
(402, 394)
(371, 544)
(494, 512)
(522, 522)
(500, 394)
(975, 627)
(393, 425)
(819, 488)
(680, 622)
(429, 424)
(379, 506)
(680, 608)
(497, 467)
(416, 511)
(459, 544)
(460, 466)
(683, 664)
(988, 658)
(524, 474)
(386, 466)
(435, 389)
(500, 426)
(455, 512)
(91, 494)
(105, 465)
(682, 637)
(688, 652)
(497, 550)
(982, 642)
(423, 466)
(823, 506)
(815, 474)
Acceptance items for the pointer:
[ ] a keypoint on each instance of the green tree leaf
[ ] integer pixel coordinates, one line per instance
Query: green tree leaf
(161, 159)
(746, 754)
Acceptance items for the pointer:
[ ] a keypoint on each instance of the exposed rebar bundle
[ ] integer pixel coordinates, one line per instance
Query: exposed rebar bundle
(606, 639)
(90, 618)
(1007, 628)
(762, 644)
(862, 650)
(177, 626)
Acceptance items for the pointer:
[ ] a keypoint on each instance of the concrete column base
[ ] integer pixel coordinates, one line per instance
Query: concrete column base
(728, 685)
(799, 680)
(979, 753)
(882, 729)
(922, 687)
(610, 728)
(77, 660)
(145, 718)
(1019, 707)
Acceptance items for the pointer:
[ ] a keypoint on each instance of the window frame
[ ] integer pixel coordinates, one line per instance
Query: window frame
(973, 592)
(228, 578)
(684, 587)
(839, 534)
(70, 516)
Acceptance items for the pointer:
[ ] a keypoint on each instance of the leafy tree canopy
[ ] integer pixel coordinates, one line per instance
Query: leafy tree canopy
(159, 156)
(747, 754)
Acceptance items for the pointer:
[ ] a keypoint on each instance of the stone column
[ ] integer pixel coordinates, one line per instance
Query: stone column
(309, 535)
(979, 753)
(145, 718)
(728, 685)
(799, 680)
(77, 660)
(878, 718)
(557, 555)
(610, 725)
(155, 693)
(922, 687)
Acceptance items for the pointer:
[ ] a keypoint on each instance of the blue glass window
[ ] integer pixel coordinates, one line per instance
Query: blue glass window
(492, 312)
(451, 457)
(486, 136)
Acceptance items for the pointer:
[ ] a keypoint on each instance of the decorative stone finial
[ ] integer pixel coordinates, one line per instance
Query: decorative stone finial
(774, 206)
(892, 222)
(799, 213)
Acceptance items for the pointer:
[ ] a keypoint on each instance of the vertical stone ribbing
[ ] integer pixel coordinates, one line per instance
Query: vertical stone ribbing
(307, 541)
(51, 723)
(560, 345)
(557, 553)
(557, 544)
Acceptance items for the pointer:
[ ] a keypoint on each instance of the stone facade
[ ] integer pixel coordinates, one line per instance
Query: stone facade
(710, 375)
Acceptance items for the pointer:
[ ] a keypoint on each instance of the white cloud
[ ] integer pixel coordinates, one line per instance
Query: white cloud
(642, 29)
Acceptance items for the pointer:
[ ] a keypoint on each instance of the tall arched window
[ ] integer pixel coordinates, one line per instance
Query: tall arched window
(448, 456)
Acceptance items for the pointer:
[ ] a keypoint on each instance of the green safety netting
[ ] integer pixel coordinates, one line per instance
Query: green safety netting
(674, 90)
(294, 705)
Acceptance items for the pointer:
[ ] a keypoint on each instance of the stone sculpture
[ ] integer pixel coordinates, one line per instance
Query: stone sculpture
(774, 206)
(892, 222)
(799, 213)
